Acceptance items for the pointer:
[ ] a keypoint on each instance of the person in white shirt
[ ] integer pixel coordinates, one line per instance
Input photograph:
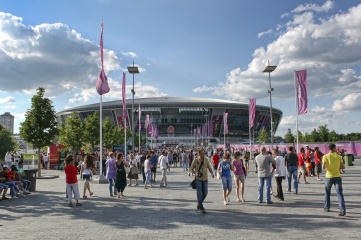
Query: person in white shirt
(164, 165)
(8, 159)
(147, 171)
(46, 160)
(280, 173)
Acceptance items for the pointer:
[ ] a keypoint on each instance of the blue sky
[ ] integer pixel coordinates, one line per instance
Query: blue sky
(188, 48)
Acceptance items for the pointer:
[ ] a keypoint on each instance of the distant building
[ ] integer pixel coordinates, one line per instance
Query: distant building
(7, 121)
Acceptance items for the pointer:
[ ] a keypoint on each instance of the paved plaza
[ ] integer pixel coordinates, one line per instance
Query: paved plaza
(170, 213)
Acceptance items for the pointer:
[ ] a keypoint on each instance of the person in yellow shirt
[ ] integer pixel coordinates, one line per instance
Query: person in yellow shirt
(332, 162)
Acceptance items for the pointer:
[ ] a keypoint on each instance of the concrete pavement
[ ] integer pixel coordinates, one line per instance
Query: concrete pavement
(170, 213)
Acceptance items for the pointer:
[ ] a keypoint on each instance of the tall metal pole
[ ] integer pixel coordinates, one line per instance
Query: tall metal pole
(270, 98)
(133, 130)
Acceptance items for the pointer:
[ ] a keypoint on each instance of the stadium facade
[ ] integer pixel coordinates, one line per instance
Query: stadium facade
(187, 121)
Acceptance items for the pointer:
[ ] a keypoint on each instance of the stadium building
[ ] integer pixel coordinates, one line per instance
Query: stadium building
(187, 121)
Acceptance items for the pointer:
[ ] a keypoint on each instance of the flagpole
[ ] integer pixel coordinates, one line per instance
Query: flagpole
(296, 99)
(101, 135)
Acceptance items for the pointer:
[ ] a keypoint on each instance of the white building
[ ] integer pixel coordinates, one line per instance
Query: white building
(7, 121)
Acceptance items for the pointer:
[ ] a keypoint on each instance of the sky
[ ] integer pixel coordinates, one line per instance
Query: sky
(186, 48)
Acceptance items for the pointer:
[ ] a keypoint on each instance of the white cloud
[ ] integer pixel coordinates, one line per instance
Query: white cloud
(130, 54)
(7, 100)
(313, 7)
(52, 56)
(264, 33)
(351, 102)
(326, 48)
(19, 115)
(10, 107)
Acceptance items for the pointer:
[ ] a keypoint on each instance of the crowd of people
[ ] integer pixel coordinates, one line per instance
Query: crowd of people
(270, 164)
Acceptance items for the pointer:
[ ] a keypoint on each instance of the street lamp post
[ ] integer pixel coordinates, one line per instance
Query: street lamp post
(191, 132)
(133, 70)
(268, 69)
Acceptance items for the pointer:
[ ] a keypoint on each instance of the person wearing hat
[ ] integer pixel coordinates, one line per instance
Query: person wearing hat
(5, 180)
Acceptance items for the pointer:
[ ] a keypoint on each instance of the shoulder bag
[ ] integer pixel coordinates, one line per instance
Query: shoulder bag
(193, 183)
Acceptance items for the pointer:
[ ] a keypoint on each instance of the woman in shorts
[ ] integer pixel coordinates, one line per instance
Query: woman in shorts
(225, 169)
(239, 175)
(86, 172)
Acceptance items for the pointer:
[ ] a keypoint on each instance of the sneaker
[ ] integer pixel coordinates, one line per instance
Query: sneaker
(326, 209)
(5, 198)
(78, 204)
(70, 205)
(228, 199)
(270, 202)
(136, 185)
(341, 214)
(225, 203)
(203, 211)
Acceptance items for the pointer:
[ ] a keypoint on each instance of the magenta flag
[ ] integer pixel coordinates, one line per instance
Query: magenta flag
(139, 115)
(225, 122)
(301, 91)
(102, 86)
(124, 98)
(252, 111)
(146, 121)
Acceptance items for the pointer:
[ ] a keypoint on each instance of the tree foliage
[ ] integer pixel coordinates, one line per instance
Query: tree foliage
(40, 126)
(7, 142)
(289, 138)
(71, 133)
(109, 134)
(91, 131)
(263, 136)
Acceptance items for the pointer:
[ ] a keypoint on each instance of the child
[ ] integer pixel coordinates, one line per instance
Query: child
(71, 180)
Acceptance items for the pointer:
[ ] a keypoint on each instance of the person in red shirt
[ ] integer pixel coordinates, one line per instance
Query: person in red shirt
(308, 161)
(215, 161)
(318, 162)
(71, 179)
(301, 165)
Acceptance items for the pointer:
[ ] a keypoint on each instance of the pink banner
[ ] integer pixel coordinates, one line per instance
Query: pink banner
(146, 121)
(225, 121)
(301, 91)
(102, 86)
(124, 103)
(252, 111)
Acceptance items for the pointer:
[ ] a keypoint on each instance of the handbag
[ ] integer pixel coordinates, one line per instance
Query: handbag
(193, 183)
(244, 169)
(134, 171)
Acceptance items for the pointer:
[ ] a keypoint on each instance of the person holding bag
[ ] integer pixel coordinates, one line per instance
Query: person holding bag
(199, 168)
(240, 174)
(134, 171)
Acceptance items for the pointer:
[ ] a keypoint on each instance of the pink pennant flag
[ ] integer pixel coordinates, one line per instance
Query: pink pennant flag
(102, 86)
(301, 91)
(146, 121)
(124, 103)
(252, 111)
(225, 121)
(139, 115)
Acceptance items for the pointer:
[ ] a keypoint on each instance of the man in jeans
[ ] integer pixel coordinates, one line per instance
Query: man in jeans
(164, 166)
(333, 163)
(199, 168)
(291, 160)
(264, 162)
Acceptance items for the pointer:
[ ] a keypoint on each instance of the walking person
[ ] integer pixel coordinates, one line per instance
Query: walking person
(199, 168)
(148, 173)
(134, 171)
(318, 159)
(121, 181)
(183, 157)
(264, 162)
(302, 165)
(190, 160)
(86, 171)
(71, 181)
(225, 168)
(333, 163)
(280, 173)
(153, 163)
(239, 175)
(215, 161)
(111, 173)
(164, 166)
(291, 160)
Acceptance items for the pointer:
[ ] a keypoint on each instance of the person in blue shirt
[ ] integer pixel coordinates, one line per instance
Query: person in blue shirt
(224, 169)
(153, 164)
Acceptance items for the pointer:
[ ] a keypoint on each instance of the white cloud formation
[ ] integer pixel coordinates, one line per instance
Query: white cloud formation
(7, 100)
(130, 54)
(10, 107)
(264, 33)
(311, 7)
(351, 102)
(327, 48)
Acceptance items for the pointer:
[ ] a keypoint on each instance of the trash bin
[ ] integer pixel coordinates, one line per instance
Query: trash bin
(31, 176)
(348, 159)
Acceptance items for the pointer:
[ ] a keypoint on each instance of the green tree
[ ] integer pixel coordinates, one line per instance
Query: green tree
(71, 133)
(263, 136)
(300, 136)
(324, 133)
(7, 142)
(333, 136)
(40, 126)
(289, 138)
(315, 136)
(109, 134)
(91, 134)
